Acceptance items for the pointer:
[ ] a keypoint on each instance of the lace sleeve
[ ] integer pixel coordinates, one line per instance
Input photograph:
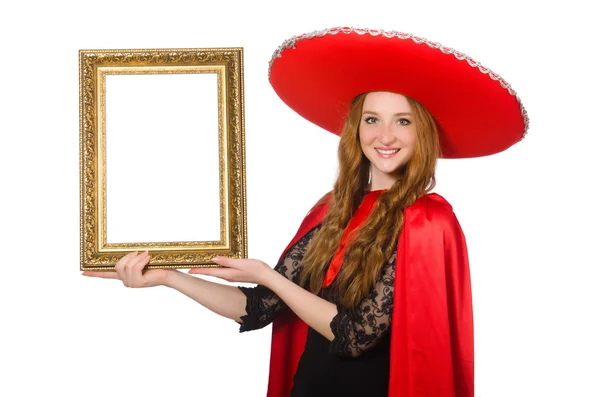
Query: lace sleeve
(356, 331)
(262, 304)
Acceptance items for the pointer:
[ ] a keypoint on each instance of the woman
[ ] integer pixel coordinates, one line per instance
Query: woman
(372, 297)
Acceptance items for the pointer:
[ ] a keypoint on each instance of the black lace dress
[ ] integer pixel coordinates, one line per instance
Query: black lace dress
(356, 362)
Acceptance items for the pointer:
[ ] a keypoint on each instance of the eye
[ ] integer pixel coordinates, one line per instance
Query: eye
(403, 121)
(370, 120)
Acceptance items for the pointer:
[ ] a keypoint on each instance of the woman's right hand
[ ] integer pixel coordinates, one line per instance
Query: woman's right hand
(129, 269)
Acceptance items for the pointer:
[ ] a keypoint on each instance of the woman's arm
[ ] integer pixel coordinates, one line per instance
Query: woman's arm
(351, 332)
(262, 304)
(316, 312)
(225, 300)
(358, 330)
(253, 308)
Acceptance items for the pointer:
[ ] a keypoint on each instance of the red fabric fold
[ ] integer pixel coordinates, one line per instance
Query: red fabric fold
(431, 353)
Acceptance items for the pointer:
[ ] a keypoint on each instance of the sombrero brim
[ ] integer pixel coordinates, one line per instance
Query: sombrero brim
(318, 75)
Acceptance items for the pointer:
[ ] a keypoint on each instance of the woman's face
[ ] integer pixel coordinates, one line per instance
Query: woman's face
(387, 135)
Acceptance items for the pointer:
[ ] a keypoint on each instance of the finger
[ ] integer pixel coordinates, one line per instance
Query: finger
(134, 262)
(225, 261)
(112, 275)
(127, 257)
(138, 278)
(120, 265)
(133, 272)
(139, 266)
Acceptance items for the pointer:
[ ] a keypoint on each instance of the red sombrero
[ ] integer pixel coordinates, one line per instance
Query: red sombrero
(319, 73)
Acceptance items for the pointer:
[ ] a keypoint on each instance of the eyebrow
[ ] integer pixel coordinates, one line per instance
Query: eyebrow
(396, 114)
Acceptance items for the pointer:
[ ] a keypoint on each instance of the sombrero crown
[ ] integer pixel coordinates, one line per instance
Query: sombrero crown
(319, 73)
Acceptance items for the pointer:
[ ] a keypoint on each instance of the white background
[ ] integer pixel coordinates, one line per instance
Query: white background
(162, 131)
(530, 214)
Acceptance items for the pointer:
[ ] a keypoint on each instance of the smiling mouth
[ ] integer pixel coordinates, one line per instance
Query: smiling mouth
(387, 152)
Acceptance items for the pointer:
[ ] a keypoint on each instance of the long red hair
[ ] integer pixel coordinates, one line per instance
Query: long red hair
(376, 240)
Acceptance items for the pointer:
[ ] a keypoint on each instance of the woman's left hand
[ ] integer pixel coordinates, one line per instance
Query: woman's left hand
(238, 270)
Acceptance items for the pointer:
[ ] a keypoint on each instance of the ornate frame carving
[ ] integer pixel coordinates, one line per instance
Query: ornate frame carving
(94, 65)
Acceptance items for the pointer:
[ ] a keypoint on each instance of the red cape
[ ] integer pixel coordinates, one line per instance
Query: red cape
(432, 323)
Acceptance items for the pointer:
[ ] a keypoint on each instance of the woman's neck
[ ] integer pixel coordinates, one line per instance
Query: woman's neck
(381, 181)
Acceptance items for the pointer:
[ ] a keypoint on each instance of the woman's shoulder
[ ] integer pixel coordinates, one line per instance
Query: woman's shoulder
(432, 206)
(324, 201)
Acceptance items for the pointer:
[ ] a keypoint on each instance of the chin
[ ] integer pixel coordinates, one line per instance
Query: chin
(391, 170)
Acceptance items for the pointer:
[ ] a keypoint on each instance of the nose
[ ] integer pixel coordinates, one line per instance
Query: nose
(386, 136)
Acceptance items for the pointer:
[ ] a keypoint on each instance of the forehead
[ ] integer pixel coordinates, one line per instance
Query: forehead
(386, 101)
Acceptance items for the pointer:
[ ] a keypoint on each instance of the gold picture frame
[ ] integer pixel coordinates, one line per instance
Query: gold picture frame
(219, 68)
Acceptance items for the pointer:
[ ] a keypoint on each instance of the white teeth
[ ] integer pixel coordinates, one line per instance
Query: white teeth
(388, 151)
